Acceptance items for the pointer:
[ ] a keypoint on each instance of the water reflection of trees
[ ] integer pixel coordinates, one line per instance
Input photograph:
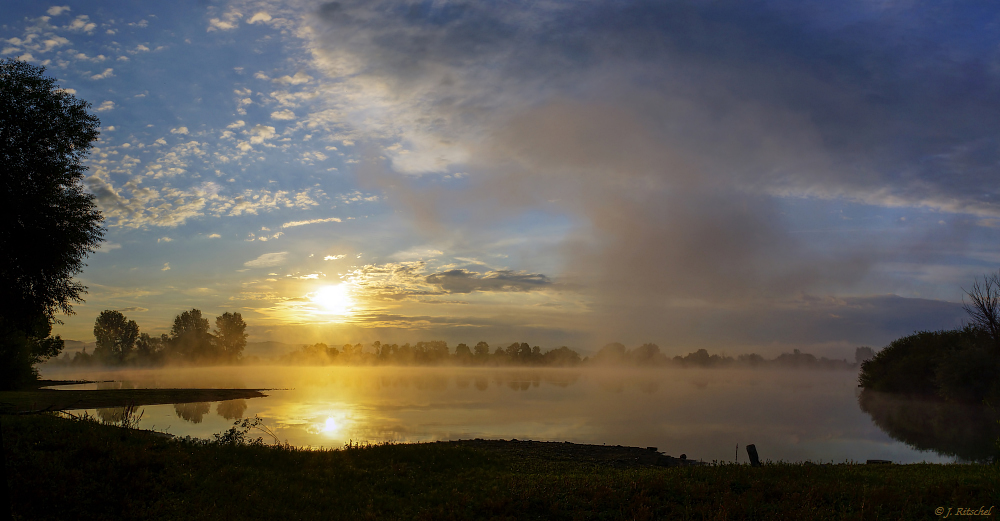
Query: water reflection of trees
(968, 432)
(192, 412)
(231, 409)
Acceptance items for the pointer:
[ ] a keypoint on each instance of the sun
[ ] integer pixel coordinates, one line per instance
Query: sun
(334, 299)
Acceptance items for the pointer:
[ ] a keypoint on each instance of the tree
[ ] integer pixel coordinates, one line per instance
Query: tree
(189, 336)
(985, 306)
(116, 335)
(50, 224)
(230, 335)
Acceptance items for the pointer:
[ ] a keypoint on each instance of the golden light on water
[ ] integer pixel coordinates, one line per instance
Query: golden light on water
(334, 300)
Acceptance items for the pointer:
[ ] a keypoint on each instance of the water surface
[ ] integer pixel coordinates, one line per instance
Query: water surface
(788, 415)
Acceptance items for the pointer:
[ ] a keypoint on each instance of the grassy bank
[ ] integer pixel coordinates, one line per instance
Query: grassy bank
(36, 399)
(66, 469)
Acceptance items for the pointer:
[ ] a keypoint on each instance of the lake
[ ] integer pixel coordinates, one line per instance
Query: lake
(704, 413)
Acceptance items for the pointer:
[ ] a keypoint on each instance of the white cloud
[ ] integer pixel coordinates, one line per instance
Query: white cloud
(334, 257)
(311, 221)
(267, 260)
(236, 124)
(214, 236)
(82, 23)
(283, 114)
(226, 23)
(299, 78)
(166, 266)
(108, 246)
(109, 72)
(179, 130)
(261, 133)
(260, 17)
(219, 24)
(164, 239)
(57, 10)
(107, 105)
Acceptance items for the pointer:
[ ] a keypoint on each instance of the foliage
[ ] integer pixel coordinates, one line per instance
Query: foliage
(239, 433)
(21, 350)
(956, 365)
(50, 223)
(189, 337)
(230, 335)
(116, 336)
(55, 464)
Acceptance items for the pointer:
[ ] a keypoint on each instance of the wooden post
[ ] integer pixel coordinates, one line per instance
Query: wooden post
(752, 452)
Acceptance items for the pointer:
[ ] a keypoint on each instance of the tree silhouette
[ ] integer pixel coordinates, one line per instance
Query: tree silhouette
(116, 335)
(985, 306)
(230, 335)
(189, 336)
(49, 223)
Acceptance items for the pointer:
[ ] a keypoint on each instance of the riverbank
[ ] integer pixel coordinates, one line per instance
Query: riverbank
(35, 398)
(66, 469)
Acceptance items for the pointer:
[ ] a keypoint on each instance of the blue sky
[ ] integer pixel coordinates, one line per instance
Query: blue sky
(732, 175)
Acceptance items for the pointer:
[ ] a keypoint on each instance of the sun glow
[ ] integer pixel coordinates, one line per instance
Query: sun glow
(334, 299)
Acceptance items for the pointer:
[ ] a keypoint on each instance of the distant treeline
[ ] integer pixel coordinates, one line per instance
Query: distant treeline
(119, 342)
(523, 354)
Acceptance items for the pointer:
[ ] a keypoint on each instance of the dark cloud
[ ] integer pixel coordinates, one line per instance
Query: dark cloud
(674, 133)
(464, 281)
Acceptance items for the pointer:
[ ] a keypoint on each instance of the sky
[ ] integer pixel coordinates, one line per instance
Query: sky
(732, 175)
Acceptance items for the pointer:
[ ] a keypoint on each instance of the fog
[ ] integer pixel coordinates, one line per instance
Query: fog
(704, 413)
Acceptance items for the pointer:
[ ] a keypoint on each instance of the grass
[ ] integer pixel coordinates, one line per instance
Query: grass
(69, 469)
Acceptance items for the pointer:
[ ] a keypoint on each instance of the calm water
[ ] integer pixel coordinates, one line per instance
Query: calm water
(789, 415)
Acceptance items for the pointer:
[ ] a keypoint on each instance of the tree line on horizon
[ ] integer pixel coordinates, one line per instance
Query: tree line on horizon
(522, 354)
(119, 341)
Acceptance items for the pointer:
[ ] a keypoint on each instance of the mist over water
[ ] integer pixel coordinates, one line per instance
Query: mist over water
(704, 413)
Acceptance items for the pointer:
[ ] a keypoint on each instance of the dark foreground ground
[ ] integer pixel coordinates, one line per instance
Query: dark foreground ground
(75, 469)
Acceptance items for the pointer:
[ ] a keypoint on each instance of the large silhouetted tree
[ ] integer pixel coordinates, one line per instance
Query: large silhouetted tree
(48, 223)
(230, 335)
(189, 336)
(116, 336)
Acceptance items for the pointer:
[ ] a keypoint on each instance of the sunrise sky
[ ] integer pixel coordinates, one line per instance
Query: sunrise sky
(735, 175)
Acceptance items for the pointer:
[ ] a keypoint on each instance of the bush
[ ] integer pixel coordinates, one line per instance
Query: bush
(955, 365)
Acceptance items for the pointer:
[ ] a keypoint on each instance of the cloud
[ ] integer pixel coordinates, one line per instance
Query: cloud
(464, 281)
(261, 133)
(293, 224)
(109, 72)
(166, 267)
(108, 246)
(82, 23)
(227, 22)
(283, 114)
(267, 260)
(298, 79)
(179, 130)
(259, 17)
(334, 257)
(236, 124)
(214, 236)
(57, 10)
(105, 106)
(164, 239)
(135, 309)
